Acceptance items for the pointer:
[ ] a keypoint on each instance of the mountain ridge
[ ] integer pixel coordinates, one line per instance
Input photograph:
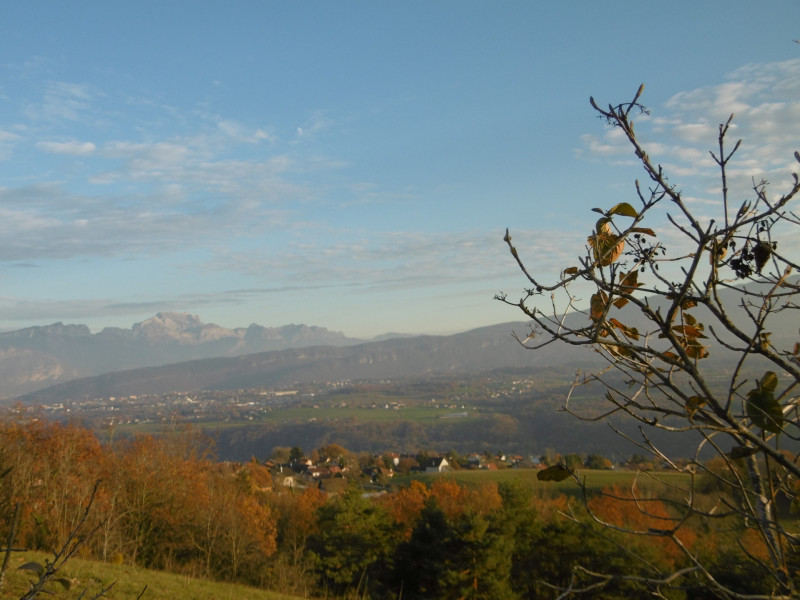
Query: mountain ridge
(34, 360)
(38, 357)
(477, 350)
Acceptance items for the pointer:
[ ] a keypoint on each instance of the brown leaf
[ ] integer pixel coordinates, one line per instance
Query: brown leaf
(693, 404)
(554, 473)
(620, 302)
(597, 306)
(738, 452)
(628, 282)
(696, 351)
(606, 246)
(644, 230)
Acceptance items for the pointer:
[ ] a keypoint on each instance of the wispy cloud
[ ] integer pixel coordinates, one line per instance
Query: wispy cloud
(71, 148)
(764, 100)
(152, 189)
(7, 142)
(79, 310)
(49, 222)
(405, 259)
(611, 143)
(252, 204)
(240, 133)
(390, 264)
(61, 101)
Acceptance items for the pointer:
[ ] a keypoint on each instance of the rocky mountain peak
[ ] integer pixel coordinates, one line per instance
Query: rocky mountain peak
(180, 327)
(44, 331)
(171, 320)
(37, 357)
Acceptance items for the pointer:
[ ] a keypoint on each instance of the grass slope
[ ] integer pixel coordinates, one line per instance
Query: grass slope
(89, 577)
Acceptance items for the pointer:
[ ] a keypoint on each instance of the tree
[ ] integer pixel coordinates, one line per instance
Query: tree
(405, 505)
(337, 453)
(160, 487)
(296, 454)
(296, 523)
(351, 543)
(46, 473)
(281, 454)
(46, 573)
(598, 461)
(699, 339)
(420, 559)
(51, 471)
(466, 555)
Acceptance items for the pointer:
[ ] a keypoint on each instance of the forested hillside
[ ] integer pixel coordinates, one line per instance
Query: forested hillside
(166, 503)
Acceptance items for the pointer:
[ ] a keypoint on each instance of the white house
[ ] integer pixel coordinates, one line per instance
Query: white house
(436, 464)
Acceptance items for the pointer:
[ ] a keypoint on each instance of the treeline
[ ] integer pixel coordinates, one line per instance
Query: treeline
(164, 502)
(521, 432)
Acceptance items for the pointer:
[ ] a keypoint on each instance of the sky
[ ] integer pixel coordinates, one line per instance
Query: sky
(354, 165)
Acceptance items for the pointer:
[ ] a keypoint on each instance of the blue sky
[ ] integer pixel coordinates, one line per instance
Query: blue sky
(352, 165)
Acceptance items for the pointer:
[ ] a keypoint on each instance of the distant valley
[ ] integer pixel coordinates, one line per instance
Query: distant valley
(255, 388)
(476, 351)
(177, 352)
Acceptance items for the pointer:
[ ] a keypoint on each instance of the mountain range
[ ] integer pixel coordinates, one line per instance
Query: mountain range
(178, 352)
(474, 351)
(38, 357)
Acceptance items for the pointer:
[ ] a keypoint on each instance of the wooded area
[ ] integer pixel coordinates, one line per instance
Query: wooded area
(165, 502)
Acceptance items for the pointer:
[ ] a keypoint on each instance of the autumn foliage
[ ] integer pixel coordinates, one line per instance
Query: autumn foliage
(164, 502)
(648, 516)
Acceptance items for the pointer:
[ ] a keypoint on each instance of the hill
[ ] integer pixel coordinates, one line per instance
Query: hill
(39, 357)
(333, 358)
(89, 577)
(177, 352)
(478, 350)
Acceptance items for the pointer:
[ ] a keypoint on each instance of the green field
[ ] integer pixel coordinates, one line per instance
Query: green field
(425, 415)
(89, 577)
(420, 414)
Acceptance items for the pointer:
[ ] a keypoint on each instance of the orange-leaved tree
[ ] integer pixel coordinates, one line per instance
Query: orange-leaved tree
(696, 319)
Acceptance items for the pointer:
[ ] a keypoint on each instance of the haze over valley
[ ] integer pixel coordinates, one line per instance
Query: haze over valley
(471, 391)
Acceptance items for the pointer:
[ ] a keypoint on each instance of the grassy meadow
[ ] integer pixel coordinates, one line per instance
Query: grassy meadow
(422, 414)
(90, 577)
